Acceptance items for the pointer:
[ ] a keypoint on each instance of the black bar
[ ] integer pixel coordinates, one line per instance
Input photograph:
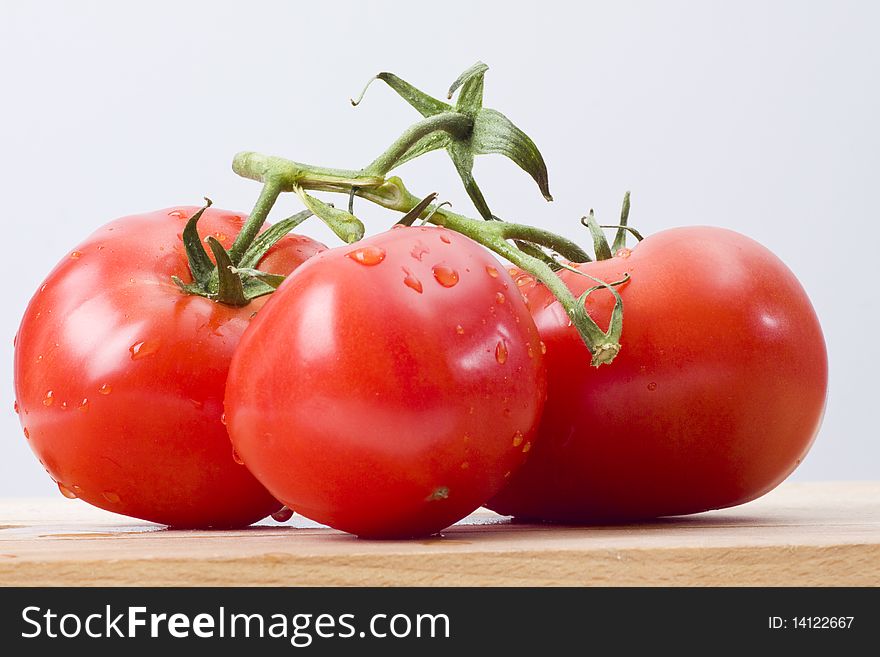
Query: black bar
(511, 621)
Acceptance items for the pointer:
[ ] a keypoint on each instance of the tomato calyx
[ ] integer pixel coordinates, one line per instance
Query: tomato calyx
(464, 130)
(600, 243)
(234, 279)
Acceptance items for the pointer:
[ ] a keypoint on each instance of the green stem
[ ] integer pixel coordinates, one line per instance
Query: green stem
(271, 190)
(290, 174)
(564, 247)
(495, 235)
(457, 125)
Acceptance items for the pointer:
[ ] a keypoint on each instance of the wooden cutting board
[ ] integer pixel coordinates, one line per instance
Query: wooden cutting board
(799, 534)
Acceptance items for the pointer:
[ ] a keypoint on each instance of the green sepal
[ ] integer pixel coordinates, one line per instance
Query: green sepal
(490, 132)
(200, 265)
(620, 236)
(268, 238)
(470, 100)
(188, 288)
(266, 279)
(629, 229)
(494, 133)
(254, 288)
(229, 290)
(344, 224)
(477, 70)
(615, 325)
(433, 142)
(418, 209)
(420, 101)
(600, 242)
(463, 158)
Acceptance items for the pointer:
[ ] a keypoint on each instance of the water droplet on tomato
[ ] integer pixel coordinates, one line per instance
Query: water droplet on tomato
(459, 329)
(49, 398)
(623, 253)
(111, 496)
(411, 281)
(39, 357)
(527, 447)
(445, 275)
(529, 351)
(27, 434)
(223, 419)
(652, 386)
(177, 213)
(507, 474)
(465, 465)
(513, 271)
(84, 405)
(143, 348)
(367, 255)
(491, 271)
(69, 494)
(418, 251)
(543, 347)
(283, 514)
(501, 352)
(220, 237)
(440, 493)
(43, 287)
(15, 406)
(100, 247)
(64, 405)
(105, 389)
(517, 439)
(500, 298)
(237, 458)
(75, 255)
(523, 279)
(445, 238)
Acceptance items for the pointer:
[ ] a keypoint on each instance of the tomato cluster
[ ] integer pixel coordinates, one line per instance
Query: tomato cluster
(390, 386)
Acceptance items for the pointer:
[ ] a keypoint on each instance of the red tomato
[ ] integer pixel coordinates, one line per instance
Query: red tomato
(389, 387)
(715, 397)
(119, 376)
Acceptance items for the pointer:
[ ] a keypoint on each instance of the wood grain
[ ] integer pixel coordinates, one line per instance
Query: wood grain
(817, 534)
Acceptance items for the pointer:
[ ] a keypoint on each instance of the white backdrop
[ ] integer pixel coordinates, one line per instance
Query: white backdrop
(757, 116)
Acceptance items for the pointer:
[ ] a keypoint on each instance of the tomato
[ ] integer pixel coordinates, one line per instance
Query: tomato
(119, 376)
(389, 387)
(715, 397)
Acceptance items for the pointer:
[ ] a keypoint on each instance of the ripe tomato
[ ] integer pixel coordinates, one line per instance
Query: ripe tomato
(715, 397)
(119, 376)
(389, 387)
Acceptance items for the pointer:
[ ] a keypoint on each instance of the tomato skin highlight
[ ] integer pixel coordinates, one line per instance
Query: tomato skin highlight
(135, 370)
(389, 387)
(715, 398)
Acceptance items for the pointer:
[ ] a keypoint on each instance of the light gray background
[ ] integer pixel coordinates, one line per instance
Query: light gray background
(757, 116)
